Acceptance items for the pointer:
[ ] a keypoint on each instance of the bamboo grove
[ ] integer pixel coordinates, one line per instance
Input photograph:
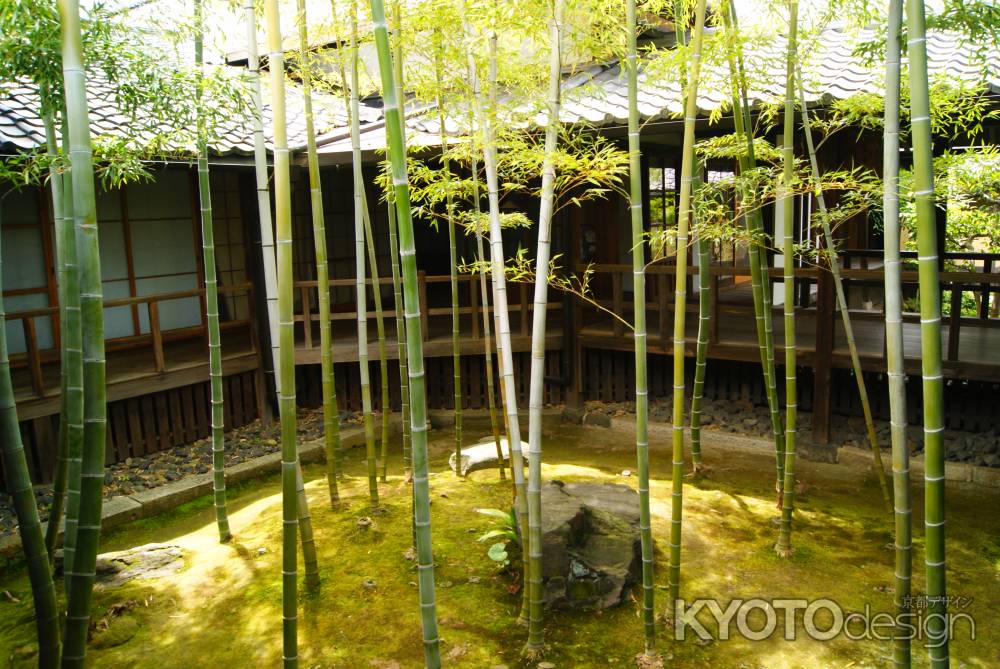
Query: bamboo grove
(487, 120)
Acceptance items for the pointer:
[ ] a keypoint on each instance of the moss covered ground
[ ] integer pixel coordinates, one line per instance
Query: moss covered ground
(223, 608)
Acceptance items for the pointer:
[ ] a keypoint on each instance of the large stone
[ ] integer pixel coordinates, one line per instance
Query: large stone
(482, 455)
(142, 562)
(590, 543)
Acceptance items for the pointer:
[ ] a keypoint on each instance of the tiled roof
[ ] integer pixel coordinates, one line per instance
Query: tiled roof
(598, 97)
(21, 127)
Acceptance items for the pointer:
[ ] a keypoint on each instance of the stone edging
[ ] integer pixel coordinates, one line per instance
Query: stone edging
(125, 508)
(959, 472)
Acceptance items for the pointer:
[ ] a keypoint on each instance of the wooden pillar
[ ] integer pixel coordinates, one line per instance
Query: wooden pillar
(823, 354)
(265, 385)
(572, 322)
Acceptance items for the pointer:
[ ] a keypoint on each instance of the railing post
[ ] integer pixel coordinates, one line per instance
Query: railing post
(984, 300)
(523, 296)
(153, 307)
(713, 297)
(474, 305)
(617, 302)
(424, 316)
(663, 300)
(954, 321)
(34, 359)
(307, 330)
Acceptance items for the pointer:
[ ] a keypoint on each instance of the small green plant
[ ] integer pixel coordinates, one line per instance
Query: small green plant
(504, 529)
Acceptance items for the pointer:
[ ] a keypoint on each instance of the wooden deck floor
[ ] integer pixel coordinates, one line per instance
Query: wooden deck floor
(978, 348)
(132, 372)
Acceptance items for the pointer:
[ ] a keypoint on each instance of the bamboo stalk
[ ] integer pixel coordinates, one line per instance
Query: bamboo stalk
(640, 338)
(211, 296)
(73, 337)
(393, 248)
(536, 644)
(456, 356)
(70, 376)
(930, 337)
(759, 279)
(483, 288)
(359, 260)
(283, 233)
(501, 311)
(404, 384)
(309, 558)
(484, 293)
(331, 415)
(680, 300)
(701, 353)
(81, 578)
(345, 87)
(383, 457)
(902, 506)
(418, 409)
(784, 212)
(845, 315)
(17, 481)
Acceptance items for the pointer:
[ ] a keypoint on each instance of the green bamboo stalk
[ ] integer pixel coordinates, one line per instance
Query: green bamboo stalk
(393, 248)
(902, 506)
(759, 278)
(845, 316)
(345, 87)
(502, 314)
(404, 384)
(536, 645)
(18, 483)
(484, 291)
(283, 230)
(88, 529)
(211, 296)
(70, 429)
(456, 356)
(331, 416)
(701, 353)
(72, 336)
(418, 409)
(639, 307)
(680, 300)
(930, 337)
(380, 333)
(309, 558)
(359, 266)
(784, 211)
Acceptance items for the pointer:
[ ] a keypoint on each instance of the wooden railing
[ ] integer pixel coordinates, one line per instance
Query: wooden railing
(35, 356)
(822, 304)
(470, 304)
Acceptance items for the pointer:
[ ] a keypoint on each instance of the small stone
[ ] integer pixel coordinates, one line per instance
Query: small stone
(626, 472)
(474, 579)
(368, 584)
(546, 665)
(364, 522)
(261, 550)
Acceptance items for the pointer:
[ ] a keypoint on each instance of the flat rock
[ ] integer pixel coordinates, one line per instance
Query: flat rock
(482, 455)
(590, 544)
(142, 562)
